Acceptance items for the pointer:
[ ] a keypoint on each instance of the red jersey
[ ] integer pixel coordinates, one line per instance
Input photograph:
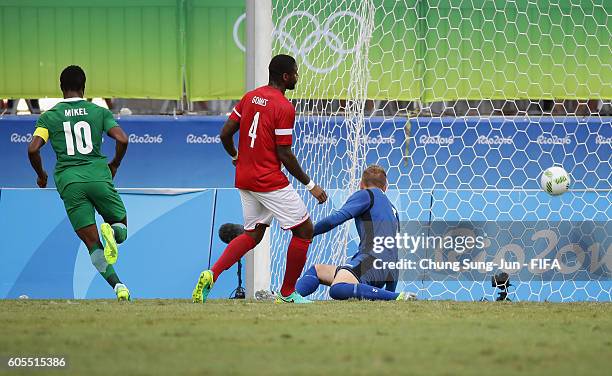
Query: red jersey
(266, 120)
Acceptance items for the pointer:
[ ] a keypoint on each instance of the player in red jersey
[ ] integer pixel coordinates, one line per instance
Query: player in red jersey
(265, 120)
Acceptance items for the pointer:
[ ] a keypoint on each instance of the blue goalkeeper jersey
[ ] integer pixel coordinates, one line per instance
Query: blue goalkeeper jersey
(374, 216)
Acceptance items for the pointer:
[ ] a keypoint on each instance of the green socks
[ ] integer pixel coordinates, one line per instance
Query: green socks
(120, 232)
(107, 271)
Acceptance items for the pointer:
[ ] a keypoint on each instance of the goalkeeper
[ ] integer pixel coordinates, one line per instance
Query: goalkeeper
(374, 216)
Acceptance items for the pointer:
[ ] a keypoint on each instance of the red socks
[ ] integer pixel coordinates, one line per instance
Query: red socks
(233, 252)
(296, 258)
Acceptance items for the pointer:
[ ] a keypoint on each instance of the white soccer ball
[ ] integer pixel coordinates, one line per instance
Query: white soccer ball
(22, 297)
(555, 181)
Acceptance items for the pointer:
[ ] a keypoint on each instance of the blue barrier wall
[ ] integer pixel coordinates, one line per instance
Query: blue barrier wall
(168, 246)
(441, 153)
(182, 152)
(170, 240)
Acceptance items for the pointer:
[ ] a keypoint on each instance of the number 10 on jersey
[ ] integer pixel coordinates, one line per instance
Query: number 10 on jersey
(82, 137)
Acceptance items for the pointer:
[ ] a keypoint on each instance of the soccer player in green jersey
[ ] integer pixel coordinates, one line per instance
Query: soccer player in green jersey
(82, 176)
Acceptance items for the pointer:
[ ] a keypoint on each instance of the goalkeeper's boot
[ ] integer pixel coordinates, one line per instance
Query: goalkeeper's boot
(123, 294)
(205, 283)
(111, 251)
(293, 298)
(406, 296)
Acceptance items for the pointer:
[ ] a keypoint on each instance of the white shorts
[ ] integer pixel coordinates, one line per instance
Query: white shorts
(284, 204)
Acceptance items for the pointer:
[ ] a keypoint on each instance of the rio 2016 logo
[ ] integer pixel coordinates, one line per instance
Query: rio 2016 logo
(17, 138)
(145, 139)
(302, 45)
(203, 139)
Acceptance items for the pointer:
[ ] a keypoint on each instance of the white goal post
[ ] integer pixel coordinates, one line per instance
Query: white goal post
(258, 54)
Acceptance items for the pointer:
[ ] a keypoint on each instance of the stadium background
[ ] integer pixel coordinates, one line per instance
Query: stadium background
(148, 49)
(145, 48)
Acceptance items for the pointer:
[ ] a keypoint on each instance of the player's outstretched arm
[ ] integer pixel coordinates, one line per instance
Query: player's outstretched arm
(330, 222)
(36, 161)
(121, 145)
(288, 159)
(355, 206)
(227, 138)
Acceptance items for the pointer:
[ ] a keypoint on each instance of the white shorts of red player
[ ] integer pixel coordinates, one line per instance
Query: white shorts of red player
(284, 204)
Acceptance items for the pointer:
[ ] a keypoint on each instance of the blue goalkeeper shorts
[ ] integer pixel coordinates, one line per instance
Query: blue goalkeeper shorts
(361, 265)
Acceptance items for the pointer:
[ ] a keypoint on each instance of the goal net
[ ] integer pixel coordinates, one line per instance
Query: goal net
(464, 103)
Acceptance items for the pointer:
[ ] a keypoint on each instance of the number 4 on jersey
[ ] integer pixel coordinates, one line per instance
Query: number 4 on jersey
(82, 136)
(253, 129)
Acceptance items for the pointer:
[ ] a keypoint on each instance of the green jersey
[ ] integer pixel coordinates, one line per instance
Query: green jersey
(75, 128)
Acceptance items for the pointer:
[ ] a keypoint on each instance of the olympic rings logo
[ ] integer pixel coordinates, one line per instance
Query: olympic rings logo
(321, 33)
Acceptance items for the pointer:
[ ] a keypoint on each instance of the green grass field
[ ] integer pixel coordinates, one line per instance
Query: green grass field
(175, 337)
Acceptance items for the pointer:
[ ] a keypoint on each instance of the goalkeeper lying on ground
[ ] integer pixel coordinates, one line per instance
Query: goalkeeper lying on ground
(374, 216)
